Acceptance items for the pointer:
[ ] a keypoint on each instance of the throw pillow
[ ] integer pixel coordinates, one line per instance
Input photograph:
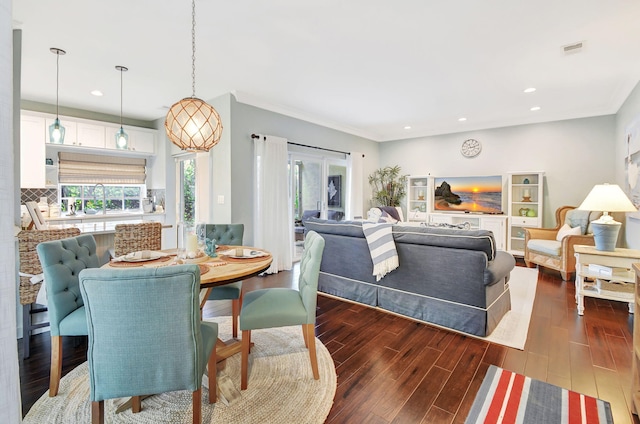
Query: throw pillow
(391, 211)
(565, 230)
(385, 217)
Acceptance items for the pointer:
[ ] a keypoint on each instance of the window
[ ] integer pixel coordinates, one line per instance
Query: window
(186, 182)
(91, 198)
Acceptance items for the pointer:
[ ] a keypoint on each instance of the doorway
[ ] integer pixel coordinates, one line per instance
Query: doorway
(318, 190)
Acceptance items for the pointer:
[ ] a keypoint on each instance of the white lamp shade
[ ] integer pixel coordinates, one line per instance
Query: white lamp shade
(607, 198)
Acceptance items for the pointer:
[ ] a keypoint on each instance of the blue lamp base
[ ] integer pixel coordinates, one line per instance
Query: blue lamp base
(606, 235)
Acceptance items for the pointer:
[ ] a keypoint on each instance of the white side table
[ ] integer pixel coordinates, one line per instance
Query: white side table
(619, 286)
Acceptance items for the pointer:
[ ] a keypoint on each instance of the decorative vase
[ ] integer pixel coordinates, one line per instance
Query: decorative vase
(525, 181)
(531, 213)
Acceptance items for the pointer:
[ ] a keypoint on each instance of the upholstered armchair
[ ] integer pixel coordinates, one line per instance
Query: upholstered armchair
(553, 247)
(146, 336)
(230, 234)
(62, 261)
(282, 307)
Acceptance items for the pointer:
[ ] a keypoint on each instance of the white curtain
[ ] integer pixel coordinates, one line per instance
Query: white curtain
(272, 214)
(355, 190)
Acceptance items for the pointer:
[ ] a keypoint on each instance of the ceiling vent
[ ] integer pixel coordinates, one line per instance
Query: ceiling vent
(573, 48)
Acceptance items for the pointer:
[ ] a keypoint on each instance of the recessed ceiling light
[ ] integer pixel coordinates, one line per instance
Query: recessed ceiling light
(97, 93)
(535, 108)
(462, 119)
(529, 90)
(407, 127)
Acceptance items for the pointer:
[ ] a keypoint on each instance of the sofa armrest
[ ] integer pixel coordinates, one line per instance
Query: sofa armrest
(498, 268)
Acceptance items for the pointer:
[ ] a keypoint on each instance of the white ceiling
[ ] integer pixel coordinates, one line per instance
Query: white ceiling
(367, 67)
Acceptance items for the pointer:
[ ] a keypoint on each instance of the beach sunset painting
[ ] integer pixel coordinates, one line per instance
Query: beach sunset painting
(482, 194)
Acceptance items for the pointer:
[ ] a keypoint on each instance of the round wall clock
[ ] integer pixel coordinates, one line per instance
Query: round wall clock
(471, 148)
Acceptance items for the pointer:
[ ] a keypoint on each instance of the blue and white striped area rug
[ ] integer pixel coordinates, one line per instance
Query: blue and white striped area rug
(508, 397)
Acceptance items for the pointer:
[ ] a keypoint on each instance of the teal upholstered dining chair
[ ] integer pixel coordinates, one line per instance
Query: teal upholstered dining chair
(146, 335)
(62, 261)
(230, 234)
(281, 307)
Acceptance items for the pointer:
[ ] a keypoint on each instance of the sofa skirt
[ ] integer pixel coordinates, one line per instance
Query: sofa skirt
(457, 316)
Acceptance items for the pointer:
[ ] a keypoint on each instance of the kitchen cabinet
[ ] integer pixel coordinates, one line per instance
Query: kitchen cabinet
(91, 135)
(32, 151)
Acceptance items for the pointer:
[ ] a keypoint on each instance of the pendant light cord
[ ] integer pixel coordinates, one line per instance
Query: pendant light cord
(193, 48)
(57, 80)
(121, 70)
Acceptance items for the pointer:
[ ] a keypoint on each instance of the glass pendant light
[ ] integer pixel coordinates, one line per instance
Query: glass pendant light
(56, 130)
(192, 124)
(122, 139)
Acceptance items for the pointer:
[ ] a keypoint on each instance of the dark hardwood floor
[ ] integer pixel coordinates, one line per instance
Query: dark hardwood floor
(393, 370)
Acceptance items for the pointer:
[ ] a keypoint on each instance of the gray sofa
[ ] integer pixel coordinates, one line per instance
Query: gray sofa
(452, 278)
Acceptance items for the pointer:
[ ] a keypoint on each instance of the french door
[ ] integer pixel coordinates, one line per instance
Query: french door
(317, 188)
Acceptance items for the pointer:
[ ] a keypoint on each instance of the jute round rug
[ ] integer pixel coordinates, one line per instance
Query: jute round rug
(281, 389)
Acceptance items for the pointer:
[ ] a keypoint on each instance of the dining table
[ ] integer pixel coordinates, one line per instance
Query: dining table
(230, 264)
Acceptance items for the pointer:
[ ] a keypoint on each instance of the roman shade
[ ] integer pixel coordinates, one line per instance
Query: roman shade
(79, 168)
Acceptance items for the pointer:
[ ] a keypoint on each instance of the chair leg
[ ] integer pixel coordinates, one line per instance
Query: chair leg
(136, 404)
(213, 376)
(97, 412)
(26, 329)
(56, 365)
(304, 335)
(197, 406)
(235, 312)
(244, 363)
(309, 329)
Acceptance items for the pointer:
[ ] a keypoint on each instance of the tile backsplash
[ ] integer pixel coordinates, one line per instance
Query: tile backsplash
(34, 194)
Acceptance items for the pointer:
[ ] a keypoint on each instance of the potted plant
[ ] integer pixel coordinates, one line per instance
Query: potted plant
(388, 186)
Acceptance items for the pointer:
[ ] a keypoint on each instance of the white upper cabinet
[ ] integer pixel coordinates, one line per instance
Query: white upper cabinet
(91, 135)
(32, 152)
(142, 141)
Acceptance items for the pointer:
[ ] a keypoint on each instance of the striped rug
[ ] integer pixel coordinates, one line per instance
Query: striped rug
(507, 397)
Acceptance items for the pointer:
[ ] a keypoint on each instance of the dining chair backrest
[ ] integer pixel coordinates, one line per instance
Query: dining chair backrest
(230, 234)
(136, 237)
(144, 330)
(29, 262)
(309, 273)
(62, 261)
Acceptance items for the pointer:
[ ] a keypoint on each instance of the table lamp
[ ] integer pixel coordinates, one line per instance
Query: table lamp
(606, 198)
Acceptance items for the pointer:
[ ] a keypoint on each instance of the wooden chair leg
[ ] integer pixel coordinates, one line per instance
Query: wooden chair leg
(304, 335)
(244, 363)
(136, 404)
(213, 376)
(235, 312)
(56, 365)
(197, 406)
(97, 412)
(311, 337)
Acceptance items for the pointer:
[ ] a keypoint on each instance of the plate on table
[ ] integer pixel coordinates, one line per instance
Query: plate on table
(142, 256)
(248, 254)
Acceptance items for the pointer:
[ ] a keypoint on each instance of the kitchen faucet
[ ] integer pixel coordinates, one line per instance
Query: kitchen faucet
(104, 197)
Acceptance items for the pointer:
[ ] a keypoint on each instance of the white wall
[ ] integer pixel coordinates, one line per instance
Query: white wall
(574, 154)
(628, 113)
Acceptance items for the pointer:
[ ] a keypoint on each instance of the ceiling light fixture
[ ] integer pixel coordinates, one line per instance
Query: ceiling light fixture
(56, 130)
(462, 119)
(122, 139)
(97, 93)
(535, 108)
(529, 90)
(407, 127)
(192, 124)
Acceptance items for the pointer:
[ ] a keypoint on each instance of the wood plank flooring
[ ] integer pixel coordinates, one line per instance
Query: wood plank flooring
(393, 370)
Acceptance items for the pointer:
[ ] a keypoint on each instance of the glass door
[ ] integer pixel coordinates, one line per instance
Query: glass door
(318, 189)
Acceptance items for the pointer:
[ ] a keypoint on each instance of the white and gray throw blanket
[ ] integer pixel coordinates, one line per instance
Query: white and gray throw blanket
(382, 248)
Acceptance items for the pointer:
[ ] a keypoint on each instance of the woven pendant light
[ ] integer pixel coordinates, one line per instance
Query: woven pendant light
(191, 123)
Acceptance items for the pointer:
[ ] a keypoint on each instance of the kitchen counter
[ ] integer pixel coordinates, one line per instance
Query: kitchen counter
(95, 227)
(80, 217)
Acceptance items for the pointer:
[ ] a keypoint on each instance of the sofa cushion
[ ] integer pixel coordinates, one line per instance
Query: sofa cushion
(341, 228)
(547, 247)
(566, 230)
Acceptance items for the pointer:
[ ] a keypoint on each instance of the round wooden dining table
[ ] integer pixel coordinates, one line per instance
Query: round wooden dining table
(223, 269)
